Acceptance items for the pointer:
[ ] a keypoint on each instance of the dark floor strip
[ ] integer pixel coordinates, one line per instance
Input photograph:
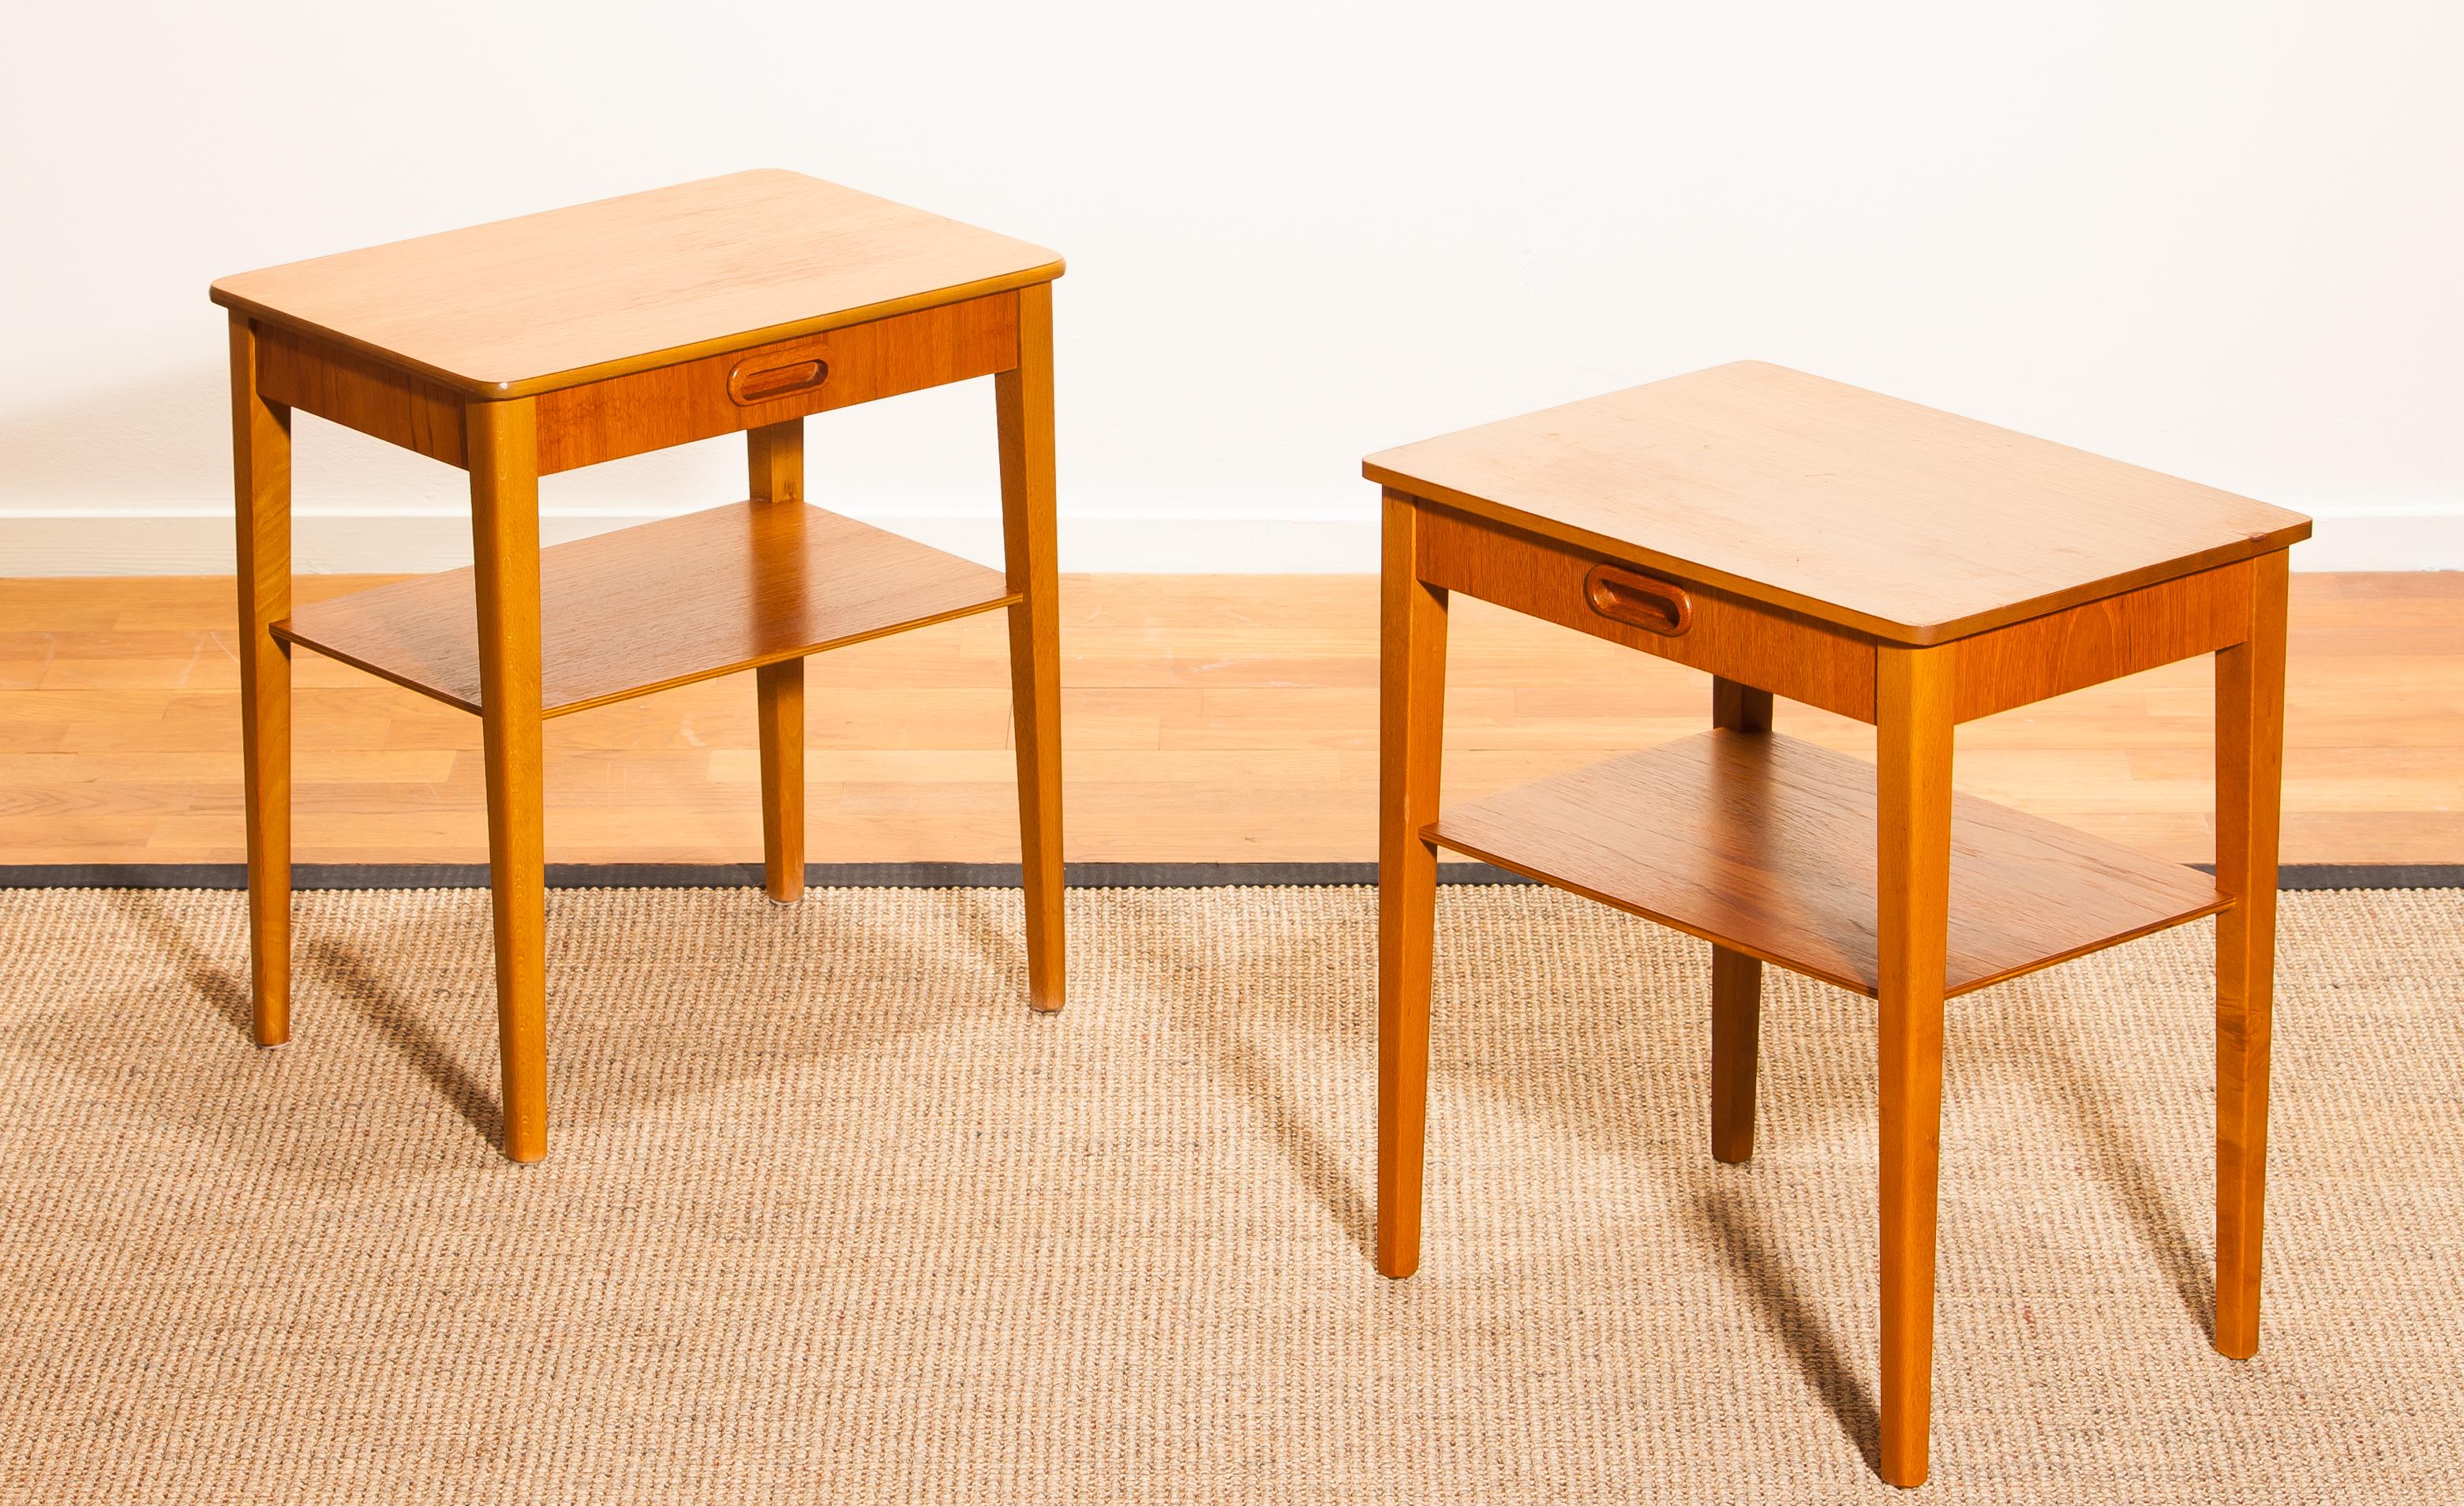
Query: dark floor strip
(941, 875)
(2364, 876)
(721, 876)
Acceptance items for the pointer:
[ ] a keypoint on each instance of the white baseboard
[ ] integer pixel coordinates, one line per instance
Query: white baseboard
(2412, 541)
(169, 541)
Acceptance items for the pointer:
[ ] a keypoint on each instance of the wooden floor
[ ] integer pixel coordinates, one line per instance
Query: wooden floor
(1206, 718)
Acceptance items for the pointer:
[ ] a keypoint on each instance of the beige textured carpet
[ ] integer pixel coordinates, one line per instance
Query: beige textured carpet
(829, 1217)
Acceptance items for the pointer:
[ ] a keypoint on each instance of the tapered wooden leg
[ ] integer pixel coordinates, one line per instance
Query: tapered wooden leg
(1740, 707)
(1736, 1044)
(1412, 669)
(776, 457)
(261, 494)
(503, 446)
(780, 690)
(1913, 740)
(1736, 979)
(1023, 397)
(2249, 767)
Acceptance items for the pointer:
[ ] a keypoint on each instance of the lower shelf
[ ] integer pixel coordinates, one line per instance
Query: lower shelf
(1767, 845)
(643, 608)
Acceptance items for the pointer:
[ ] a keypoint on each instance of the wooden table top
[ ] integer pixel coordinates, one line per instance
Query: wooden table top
(598, 290)
(1908, 523)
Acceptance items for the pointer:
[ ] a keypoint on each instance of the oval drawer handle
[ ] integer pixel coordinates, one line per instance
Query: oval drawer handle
(763, 384)
(1624, 596)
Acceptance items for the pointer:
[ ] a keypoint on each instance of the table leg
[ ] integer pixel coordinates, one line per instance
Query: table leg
(775, 454)
(1913, 738)
(1736, 979)
(1023, 397)
(1412, 659)
(2249, 767)
(261, 489)
(503, 444)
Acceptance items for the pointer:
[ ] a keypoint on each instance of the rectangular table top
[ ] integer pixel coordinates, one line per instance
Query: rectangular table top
(597, 289)
(1898, 520)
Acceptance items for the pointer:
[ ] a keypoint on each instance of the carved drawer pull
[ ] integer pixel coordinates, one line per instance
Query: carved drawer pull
(764, 383)
(1624, 596)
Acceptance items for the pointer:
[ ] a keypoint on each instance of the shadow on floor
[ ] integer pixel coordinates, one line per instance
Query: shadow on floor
(1248, 1068)
(149, 913)
(396, 1021)
(1762, 1274)
(2052, 1066)
(420, 980)
(1312, 1157)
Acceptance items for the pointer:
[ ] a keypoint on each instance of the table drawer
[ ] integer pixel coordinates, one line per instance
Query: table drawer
(773, 382)
(1699, 626)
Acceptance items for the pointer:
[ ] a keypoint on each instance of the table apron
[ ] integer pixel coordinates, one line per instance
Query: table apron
(656, 409)
(1727, 635)
(693, 400)
(359, 391)
(2101, 640)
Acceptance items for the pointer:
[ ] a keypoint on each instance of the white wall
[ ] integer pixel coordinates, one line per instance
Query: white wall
(2223, 239)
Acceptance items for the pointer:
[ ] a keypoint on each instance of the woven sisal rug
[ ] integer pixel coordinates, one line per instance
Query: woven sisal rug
(829, 1217)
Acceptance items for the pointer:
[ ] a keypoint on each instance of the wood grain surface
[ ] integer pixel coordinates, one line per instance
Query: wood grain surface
(1900, 521)
(1765, 844)
(660, 604)
(545, 300)
(359, 391)
(2101, 640)
(1727, 633)
(690, 400)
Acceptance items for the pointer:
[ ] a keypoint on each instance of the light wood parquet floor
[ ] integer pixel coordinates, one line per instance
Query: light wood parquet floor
(1206, 718)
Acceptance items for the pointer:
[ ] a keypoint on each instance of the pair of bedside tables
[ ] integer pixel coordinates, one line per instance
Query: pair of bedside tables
(1790, 537)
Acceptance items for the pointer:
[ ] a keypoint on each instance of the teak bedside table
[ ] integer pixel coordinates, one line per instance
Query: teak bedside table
(561, 340)
(1796, 537)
